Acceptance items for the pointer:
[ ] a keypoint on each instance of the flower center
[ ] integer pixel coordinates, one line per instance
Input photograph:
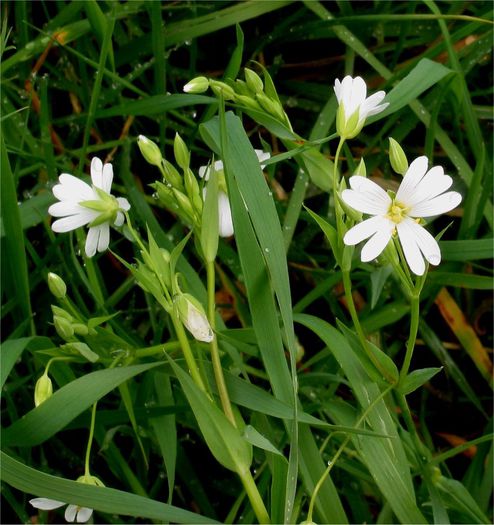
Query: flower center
(397, 212)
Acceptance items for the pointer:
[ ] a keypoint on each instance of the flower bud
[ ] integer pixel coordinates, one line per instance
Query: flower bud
(220, 88)
(197, 85)
(193, 316)
(182, 155)
(43, 389)
(172, 176)
(350, 127)
(397, 157)
(183, 202)
(253, 80)
(57, 285)
(150, 150)
(63, 327)
(271, 106)
(80, 329)
(56, 310)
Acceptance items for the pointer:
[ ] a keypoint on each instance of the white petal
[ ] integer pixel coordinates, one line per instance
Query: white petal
(120, 219)
(123, 203)
(375, 245)
(262, 156)
(225, 222)
(203, 170)
(363, 230)
(411, 249)
(70, 513)
(104, 237)
(72, 189)
(74, 221)
(107, 177)
(92, 240)
(427, 244)
(354, 93)
(64, 208)
(46, 504)
(366, 196)
(84, 514)
(97, 172)
(413, 176)
(433, 184)
(442, 204)
(337, 90)
(370, 104)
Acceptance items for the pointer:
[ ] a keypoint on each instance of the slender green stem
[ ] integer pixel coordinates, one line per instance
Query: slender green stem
(254, 496)
(331, 463)
(215, 352)
(414, 325)
(187, 350)
(90, 440)
(347, 283)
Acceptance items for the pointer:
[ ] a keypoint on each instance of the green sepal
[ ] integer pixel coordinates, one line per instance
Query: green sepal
(330, 233)
(210, 220)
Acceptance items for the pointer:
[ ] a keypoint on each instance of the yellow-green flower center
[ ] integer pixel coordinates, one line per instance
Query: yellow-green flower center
(397, 212)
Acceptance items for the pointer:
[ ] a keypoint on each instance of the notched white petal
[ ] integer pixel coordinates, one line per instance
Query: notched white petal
(411, 249)
(107, 178)
(73, 221)
(84, 514)
(363, 230)
(436, 206)
(123, 203)
(375, 245)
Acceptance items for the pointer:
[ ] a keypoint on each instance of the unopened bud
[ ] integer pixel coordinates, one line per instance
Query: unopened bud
(197, 85)
(182, 155)
(150, 150)
(253, 80)
(57, 285)
(80, 329)
(63, 327)
(222, 89)
(397, 157)
(60, 312)
(193, 316)
(43, 389)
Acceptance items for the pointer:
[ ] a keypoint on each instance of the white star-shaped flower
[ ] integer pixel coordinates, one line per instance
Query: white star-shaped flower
(354, 107)
(421, 194)
(72, 512)
(82, 204)
(225, 225)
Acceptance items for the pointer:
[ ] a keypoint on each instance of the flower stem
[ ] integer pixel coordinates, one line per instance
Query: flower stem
(215, 353)
(414, 325)
(187, 350)
(342, 447)
(90, 440)
(347, 283)
(254, 496)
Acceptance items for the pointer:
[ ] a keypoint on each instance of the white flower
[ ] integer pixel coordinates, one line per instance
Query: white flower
(354, 107)
(72, 512)
(81, 204)
(225, 221)
(421, 194)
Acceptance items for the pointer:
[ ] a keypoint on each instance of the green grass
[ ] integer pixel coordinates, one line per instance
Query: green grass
(81, 79)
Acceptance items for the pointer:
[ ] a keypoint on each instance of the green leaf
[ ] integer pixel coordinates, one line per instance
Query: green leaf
(417, 378)
(384, 360)
(65, 404)
(424, 75)
(223, 439)
(255, 438)
(378, 279)
(330, 233)
(102, 499)
(457, 496)
(470, 250)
